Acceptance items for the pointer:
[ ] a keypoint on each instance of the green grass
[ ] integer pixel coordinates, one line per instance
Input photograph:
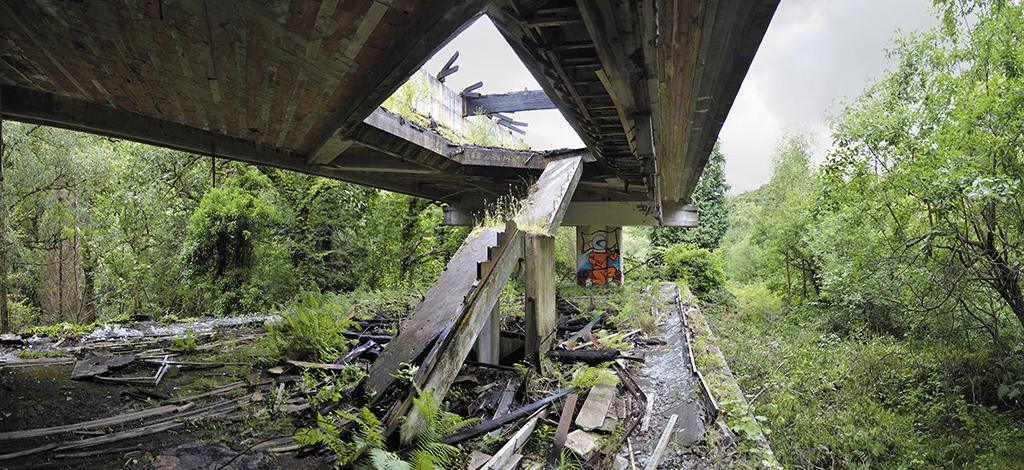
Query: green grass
(862, 400)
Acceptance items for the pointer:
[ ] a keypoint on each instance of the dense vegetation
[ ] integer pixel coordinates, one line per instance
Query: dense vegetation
(874, 314)
(96, 228)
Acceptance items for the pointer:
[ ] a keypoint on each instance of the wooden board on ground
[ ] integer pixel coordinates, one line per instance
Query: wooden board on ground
(595, 408)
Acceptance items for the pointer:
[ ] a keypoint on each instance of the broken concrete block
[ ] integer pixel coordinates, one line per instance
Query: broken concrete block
(583, 443)
(97, 365)
(620, 463)
(596, 407)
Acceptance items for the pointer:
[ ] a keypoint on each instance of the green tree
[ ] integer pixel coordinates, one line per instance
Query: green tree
(712, 209)
(232, 262)
(935, 149)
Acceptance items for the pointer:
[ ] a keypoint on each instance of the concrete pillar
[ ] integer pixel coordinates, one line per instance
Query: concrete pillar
(598, 255)
(540, 295)
(488, 342)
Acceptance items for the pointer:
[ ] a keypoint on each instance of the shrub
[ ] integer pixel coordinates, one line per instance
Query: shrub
(312, 326)
(756, 300)
(701, 269)
(231, 263)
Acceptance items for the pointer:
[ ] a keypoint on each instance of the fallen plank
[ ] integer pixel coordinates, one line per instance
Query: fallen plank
(96, 423)
(43, 361)
(28, 452)
(484, 427)
(595, 408)
(652, 464)
(505, 457)
(96, 441)
(119, 436)
(317, 365)
(632, 460)
(93, 453)
(504, 403)
(562, 431)
(646, 423)
(591, 356)
(356, 352)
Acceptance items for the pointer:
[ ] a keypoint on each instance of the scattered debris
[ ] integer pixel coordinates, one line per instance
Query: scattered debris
(96, 365)
(592, 356)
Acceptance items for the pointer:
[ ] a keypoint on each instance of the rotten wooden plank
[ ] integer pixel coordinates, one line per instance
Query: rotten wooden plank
(506, 456)
(652, 464)
(93, 424)
(562, 431)
(527, 100)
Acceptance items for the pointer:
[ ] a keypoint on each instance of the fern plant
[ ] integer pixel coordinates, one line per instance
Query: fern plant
(368, 434)
(436, 423)
(367, 451)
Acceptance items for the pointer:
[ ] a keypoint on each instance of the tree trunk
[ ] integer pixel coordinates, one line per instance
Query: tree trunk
(5, 314)
(1007, 280)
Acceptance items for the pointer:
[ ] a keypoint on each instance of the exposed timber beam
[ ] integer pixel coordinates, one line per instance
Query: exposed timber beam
(529, 100)
(611, 213)
(430, 31)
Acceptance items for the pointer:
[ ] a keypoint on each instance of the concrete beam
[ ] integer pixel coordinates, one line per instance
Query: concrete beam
(619, 213)
(541, 316)
(488, 342)
(543, 210)
(627, 214)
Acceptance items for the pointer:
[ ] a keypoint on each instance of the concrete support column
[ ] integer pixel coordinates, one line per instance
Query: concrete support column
(541, 317)
(488, 342)
(598, 255)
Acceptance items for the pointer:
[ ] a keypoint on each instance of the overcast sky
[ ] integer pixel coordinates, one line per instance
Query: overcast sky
(816, 55)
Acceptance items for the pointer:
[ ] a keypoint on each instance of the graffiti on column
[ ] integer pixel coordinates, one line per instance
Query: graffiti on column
(599, 261)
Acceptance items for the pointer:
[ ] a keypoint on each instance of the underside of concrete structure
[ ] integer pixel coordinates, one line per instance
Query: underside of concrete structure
(297, 85)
